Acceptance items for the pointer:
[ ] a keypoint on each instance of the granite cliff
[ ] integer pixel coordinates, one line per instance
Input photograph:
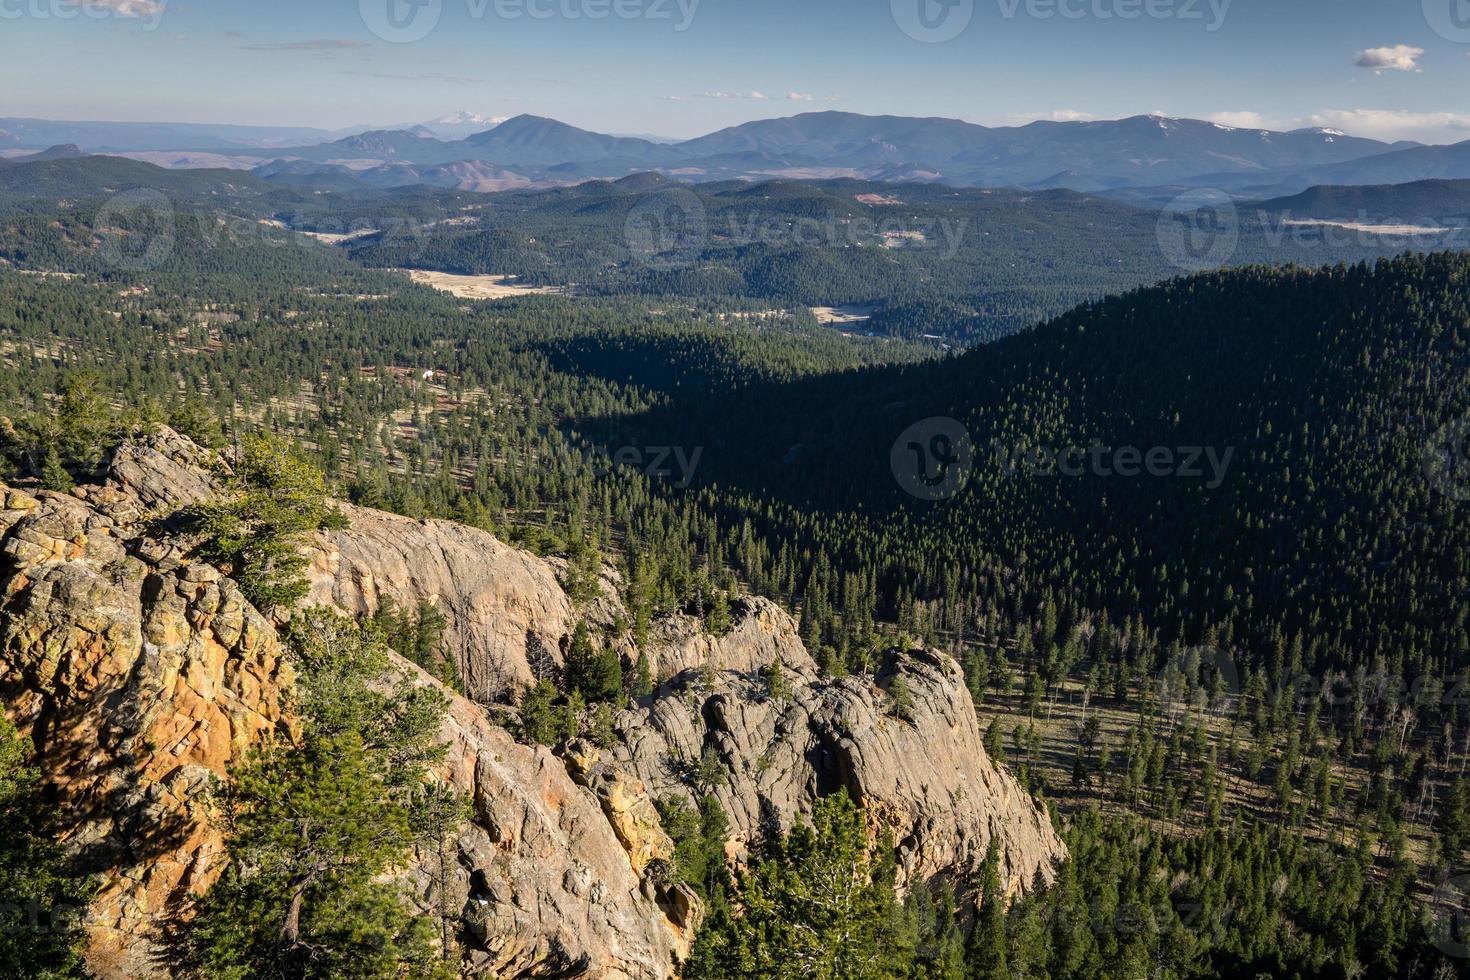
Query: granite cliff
(139, 676)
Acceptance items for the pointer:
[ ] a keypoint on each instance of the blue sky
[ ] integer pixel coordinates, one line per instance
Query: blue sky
(1384, 68)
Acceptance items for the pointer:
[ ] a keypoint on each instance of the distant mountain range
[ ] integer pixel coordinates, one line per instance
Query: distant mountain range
(1143, 159)
(457, 125)
(97, 137)
(1443, 201)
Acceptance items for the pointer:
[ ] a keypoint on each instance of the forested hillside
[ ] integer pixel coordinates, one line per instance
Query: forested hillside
(911, 261)
(1149, 636)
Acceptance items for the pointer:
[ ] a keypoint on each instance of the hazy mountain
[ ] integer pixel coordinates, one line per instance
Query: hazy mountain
(1145, 158)
(844, 138)
(66, 151)
(1396, 167)
(535, 141)
(310, 175)
(1405, 164)
(68, 178)
(1093, 156)
(154, 136)
(383, 144)
(1079, 155)
(1436, 200)
(462, 175)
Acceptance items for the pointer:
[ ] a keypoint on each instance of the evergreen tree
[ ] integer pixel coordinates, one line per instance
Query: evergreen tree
(275, 499)
(313, 828)
(42, 901)
(814, 906)
(985, 954)
(595, 674)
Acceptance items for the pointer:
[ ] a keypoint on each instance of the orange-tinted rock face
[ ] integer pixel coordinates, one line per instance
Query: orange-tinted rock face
(138, 678)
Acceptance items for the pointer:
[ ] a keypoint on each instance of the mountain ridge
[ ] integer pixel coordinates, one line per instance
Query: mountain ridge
(1140, 151)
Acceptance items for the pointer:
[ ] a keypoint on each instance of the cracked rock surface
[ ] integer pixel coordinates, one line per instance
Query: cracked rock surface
(139, 676)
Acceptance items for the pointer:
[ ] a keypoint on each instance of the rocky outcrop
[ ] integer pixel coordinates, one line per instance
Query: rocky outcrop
(163, 471)
(140, 676)
(557, 871)
(137, 677)
(763, 633)
(506, 615)
(924, 778)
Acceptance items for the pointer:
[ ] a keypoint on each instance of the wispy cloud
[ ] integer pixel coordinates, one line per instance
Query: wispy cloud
(323, 44)
(422, 76)
(1399, 57)
(754, 95)
(1056, 115)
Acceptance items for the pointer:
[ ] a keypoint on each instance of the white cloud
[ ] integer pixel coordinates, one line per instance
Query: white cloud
(1058, 115)
(1397, 124)
(1244, 119)
(1399, 57)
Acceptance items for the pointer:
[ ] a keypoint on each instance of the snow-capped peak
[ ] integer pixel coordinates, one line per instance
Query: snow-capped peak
(466, 118)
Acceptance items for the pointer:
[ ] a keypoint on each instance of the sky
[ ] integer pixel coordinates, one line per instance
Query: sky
(1390, 69)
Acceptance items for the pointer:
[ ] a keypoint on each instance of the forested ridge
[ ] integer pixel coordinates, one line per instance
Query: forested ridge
(1148, 652)
(960, 266)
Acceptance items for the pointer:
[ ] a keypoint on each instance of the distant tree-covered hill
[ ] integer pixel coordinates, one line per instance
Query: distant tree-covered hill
(1307, 425)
